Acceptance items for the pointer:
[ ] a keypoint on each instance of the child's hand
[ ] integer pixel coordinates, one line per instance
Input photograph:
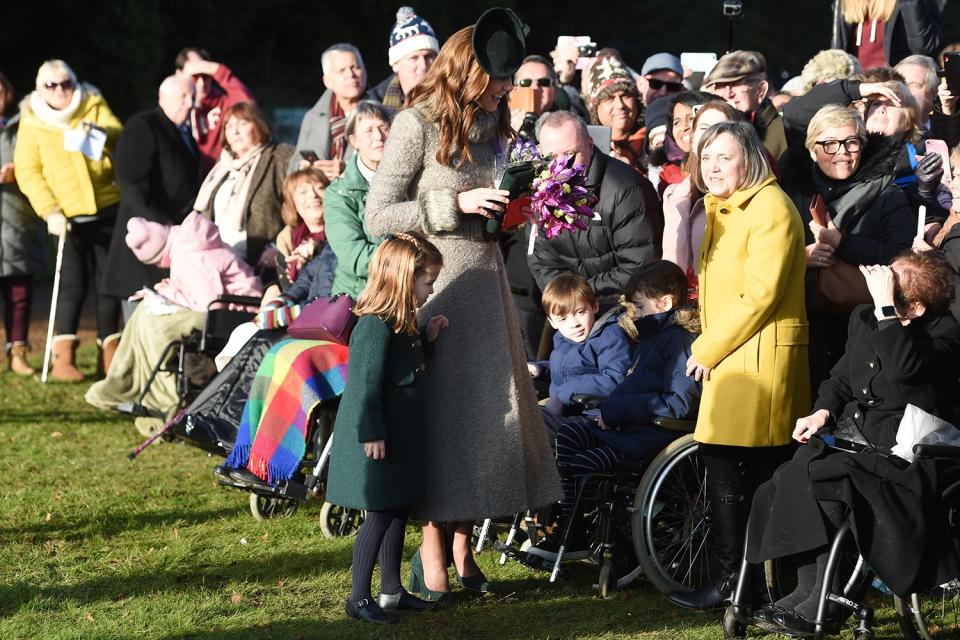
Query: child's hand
(434, 325)
(533, 369)
(376, 450)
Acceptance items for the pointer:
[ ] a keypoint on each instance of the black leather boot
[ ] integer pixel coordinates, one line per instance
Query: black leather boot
(727, 533)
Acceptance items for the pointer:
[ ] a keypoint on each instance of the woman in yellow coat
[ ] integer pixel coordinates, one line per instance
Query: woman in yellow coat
(752, 354)
(68, 178)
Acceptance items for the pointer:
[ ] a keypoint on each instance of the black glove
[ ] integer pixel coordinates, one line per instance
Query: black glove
(929, 172)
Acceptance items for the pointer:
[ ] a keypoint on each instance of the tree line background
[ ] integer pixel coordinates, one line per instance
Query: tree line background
(126, 47)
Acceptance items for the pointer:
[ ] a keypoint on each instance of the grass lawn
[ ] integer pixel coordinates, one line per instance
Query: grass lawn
(93, 546)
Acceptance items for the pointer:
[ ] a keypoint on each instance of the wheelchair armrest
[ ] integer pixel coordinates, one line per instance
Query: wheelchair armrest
(675, 424)
(587, 401)
(248, 301)
(937, 451)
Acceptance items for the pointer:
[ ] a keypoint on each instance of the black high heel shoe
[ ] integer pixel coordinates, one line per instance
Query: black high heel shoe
(417, 585)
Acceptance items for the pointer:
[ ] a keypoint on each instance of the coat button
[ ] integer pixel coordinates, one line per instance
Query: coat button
(724, 210)
(856, 415)
(871, 364)
(864, 391)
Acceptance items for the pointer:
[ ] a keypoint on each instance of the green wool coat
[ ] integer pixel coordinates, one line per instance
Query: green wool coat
(381, 401)
(343, 206)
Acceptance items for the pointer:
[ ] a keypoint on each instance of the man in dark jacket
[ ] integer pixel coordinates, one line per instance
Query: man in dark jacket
(158, 167)
(624, 232)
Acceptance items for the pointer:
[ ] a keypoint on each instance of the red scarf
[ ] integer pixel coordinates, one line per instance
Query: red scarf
(338, 124)
(300, 234)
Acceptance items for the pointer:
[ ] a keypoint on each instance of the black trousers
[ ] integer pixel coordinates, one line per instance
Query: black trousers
(84, 259)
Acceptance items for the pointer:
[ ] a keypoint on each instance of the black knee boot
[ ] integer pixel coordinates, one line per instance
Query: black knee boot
(727, 531)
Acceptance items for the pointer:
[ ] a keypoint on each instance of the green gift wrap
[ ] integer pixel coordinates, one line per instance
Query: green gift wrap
(517, 179)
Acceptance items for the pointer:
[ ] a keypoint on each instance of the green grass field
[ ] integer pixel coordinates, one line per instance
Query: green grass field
(93, 546)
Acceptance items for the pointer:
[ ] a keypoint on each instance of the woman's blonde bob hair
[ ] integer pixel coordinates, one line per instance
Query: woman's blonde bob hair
(756, 165)
(390, 292)
(834, 116)
(54, 69)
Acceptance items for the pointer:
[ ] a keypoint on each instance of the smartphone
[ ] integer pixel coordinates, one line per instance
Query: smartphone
(951, 71)
(309, 156)
(939, 146)
(583, 44)
(522, 98)
(698, 62)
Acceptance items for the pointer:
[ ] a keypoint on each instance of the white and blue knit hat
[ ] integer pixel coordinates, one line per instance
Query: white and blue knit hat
(411, 33)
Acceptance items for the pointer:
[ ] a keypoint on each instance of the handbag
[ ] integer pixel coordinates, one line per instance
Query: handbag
(329, 319)
(841, 286)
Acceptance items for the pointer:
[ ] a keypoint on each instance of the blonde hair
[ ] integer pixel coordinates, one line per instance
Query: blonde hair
(390, 292)
(565, 293)
(856, 11)
(288, 210)
(832, 116)
(52, 68)
(829, 64)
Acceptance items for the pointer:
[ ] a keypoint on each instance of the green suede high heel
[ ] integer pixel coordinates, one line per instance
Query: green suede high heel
(478, 582)
(417, 585)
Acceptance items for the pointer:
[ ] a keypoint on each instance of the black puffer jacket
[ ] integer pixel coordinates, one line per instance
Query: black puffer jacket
(621, 237)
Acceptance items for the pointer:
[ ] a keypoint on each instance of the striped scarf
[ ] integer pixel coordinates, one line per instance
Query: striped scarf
(338, 124)
(393, 97)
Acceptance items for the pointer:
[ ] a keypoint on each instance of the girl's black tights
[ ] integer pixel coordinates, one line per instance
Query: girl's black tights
(380, 535)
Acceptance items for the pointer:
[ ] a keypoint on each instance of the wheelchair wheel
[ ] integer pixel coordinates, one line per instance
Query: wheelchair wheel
(266, 507)
(931, 615)
(670, 525)
(340, 522)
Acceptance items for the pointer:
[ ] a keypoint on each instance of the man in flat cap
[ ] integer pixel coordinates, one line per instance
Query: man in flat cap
(740, 78)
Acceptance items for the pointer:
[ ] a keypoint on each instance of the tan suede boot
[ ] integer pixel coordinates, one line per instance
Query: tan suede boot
(64, 357)
(17, 359)
(106, 349)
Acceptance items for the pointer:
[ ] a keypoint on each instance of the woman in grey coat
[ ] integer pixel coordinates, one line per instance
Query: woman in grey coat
(486, 452)
(23, 243)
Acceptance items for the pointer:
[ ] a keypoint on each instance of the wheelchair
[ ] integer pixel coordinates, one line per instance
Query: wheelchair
(932, 615)
(649, 517)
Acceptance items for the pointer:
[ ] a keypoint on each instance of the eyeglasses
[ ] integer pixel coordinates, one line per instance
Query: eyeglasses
(66, 85)
(656, 85)
(732, 88)
(540, 82)
(832, 147)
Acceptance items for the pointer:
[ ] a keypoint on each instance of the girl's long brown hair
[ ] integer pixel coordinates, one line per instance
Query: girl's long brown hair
(450, 95)
(390, 292)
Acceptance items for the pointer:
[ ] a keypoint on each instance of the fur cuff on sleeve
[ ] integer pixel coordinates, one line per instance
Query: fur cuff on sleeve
(438, 210)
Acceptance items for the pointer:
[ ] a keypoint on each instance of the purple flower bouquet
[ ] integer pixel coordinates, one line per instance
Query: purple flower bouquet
(560, 200)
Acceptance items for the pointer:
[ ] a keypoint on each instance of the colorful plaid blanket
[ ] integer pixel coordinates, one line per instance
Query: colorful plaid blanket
(293, 379)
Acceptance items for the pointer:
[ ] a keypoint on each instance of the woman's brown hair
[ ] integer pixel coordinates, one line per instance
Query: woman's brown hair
(288, 210)
(692, 164)
(927, 278)
(450, 95)
(249, 112)
(655, 280)
(390, 292)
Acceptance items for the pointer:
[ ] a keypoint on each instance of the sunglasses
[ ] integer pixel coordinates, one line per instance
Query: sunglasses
(540, 82)
(656, 85)
(66, 85)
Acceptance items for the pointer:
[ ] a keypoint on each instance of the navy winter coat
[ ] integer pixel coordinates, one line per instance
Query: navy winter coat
(657, 384)
(592, 367)
(315, 279)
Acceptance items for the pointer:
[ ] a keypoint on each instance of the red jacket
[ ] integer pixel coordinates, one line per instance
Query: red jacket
(206, 120)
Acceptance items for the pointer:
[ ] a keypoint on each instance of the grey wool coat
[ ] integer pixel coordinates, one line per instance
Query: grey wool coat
(486, 451)
(23, 234)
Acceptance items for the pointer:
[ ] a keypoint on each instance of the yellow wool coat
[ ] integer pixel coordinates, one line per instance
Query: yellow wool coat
(53, 178)
(755, 335)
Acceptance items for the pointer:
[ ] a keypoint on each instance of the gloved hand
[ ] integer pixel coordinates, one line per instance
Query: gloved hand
(56, 223)
(929, 172)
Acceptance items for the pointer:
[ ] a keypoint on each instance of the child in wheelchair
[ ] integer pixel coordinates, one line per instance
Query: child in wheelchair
(662, 330)
(590, 355)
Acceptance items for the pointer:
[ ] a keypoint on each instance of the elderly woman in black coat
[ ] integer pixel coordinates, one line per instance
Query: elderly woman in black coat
(903, 349)
(864, 217)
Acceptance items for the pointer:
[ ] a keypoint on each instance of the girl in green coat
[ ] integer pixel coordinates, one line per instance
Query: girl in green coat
(373, 461)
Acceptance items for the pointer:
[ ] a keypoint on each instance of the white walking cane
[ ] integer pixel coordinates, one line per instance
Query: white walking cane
(53, 307)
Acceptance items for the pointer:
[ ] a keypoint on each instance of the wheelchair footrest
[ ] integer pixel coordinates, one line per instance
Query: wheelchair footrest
(527, 560)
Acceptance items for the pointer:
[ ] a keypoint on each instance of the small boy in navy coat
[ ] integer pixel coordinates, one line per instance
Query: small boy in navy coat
(590, 355)
(656, 385)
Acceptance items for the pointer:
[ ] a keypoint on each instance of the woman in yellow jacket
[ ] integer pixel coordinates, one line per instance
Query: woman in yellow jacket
(72, 188)
(752, 354)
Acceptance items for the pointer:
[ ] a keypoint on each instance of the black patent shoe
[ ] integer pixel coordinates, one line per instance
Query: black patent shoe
(368, 611)
(793, 624)
(404, 601)
(713, 597)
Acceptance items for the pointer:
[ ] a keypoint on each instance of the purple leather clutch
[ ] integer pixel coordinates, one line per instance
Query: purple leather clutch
(329, 319)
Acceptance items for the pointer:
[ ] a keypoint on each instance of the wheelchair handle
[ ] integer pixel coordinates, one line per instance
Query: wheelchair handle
(587, 401)
(675, 424)
(937, 451)
(249, 301)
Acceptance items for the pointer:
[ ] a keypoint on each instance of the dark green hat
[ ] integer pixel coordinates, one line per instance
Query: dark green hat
(499, 42)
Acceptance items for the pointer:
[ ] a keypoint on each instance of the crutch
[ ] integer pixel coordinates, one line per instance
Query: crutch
(48, 349)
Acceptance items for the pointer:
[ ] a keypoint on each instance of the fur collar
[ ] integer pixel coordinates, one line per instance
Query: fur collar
(879, 160)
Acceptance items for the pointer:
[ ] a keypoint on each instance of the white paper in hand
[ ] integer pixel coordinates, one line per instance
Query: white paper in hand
(89, 142)
(919, 427)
